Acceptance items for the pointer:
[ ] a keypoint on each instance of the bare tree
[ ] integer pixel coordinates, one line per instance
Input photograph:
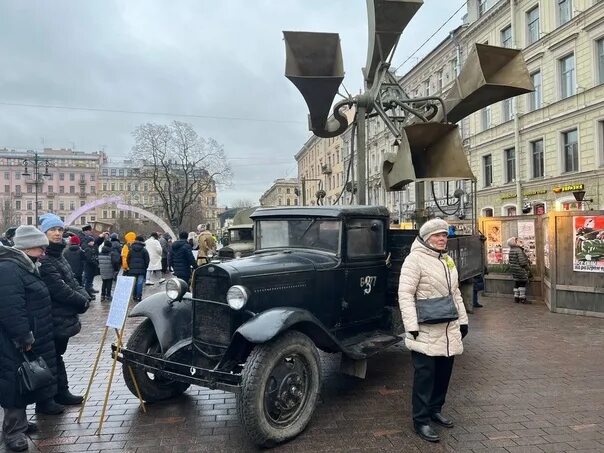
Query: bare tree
(180, 164)
(8, 215)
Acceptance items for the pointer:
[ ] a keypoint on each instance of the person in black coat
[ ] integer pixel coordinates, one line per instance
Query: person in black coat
(75, 257)
(91, 264)
(25, 328)
(138, 262)
(181, 258)
(69, 300)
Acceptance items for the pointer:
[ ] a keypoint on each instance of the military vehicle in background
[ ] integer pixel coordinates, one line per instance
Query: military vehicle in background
(239, 237)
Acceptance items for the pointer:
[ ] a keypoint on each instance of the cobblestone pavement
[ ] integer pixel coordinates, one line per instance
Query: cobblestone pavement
(529, 381)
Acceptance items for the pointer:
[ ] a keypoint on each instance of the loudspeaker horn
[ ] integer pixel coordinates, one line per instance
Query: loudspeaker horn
(490, 74)
(313, 63)
(426, 151)
(387, 19)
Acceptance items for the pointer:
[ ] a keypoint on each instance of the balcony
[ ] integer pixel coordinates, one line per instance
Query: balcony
(17, 194)
(82, 194)
(326, 169)
(50, 195)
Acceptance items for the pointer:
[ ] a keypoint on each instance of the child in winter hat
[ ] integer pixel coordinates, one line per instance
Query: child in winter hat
(50, 220)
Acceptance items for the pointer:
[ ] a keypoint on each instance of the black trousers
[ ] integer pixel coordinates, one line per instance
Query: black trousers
(430, 384)
(61, 347)
(106, 287)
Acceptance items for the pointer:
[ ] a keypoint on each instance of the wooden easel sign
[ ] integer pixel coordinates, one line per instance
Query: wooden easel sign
(116, 319)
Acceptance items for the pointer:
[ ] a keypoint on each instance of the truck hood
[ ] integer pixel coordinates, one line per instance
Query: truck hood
(290, 260)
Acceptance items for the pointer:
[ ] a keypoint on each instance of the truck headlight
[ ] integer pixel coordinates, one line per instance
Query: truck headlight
(176, 289)
(237, 297)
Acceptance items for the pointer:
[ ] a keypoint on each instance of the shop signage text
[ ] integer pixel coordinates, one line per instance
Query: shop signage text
(568, 188)
(529, 193)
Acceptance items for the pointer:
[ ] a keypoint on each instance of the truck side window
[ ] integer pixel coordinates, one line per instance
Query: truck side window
(365, 237)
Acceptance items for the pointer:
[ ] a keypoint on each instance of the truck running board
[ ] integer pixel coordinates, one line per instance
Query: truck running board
(368, 344)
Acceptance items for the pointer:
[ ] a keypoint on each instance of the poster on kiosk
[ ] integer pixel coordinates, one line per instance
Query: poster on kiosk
(588, 247)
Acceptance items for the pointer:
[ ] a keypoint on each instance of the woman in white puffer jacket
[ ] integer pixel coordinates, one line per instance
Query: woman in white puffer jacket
(428, 273)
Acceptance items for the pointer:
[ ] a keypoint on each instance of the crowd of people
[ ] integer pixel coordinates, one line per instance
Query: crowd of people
(47, 281)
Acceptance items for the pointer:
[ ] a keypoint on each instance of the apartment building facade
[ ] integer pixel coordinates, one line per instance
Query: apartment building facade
(550, 143)
(67, 180)
(283, 192)
(71, 179)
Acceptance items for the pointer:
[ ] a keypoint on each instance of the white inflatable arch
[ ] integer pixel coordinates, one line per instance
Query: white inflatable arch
(120, 205)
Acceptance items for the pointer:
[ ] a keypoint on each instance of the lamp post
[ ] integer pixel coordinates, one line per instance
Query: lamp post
(36, 163)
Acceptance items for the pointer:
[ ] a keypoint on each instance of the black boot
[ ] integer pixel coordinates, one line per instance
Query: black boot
(31, 428)
(67, 398)
(426, 432)
(18, 443)
(442, 420)
(49, 407)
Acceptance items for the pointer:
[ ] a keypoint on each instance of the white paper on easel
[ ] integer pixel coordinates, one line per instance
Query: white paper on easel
(119, 303)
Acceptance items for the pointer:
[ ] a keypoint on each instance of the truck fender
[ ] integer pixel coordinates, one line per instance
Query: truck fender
(267, 325)
(172, 321)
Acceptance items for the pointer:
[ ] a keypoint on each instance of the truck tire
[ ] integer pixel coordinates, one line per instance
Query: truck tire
(279, 388)
(152, 388)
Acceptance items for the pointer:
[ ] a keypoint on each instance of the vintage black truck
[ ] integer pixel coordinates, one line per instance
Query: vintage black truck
(321, 278)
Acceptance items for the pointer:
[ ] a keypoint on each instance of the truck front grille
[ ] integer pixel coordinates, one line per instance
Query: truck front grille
(213, 323)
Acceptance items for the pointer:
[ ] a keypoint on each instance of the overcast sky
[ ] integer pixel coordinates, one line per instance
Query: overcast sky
(222, 59)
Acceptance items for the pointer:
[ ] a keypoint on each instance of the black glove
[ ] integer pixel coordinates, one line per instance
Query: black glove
(464, 330)
(415, 333)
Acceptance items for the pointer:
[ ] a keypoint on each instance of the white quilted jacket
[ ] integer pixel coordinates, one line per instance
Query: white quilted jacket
(423, 277)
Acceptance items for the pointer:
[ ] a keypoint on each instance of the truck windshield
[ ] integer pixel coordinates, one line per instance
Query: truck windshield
(322, 234)
(244, 234)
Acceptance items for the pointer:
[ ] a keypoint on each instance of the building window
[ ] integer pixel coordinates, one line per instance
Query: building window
(113, 170)
(485, 114)
(50, 190)
(510, 211)
(61, 205)
(439, 81)
(61, 176)
(30, 220)
(427, 88)
(567, 76)
(72, 176)
(51, 205)
(506, 36)
(18, 205)
(71, 205)
(482, 7)
(600, 59)
(535, 96)
(71, 189)
(92, 177)
(82, 203)
(487, 212)
(30, 205)
(532, 25)
(564, 11)
(83, 220)
(571, 151)
(510, 164)
(121, 172)
(61, 189)
(537, 158)
(487, 167)
(601, 143)
(105, 172)
(104, 214)
(507, 109)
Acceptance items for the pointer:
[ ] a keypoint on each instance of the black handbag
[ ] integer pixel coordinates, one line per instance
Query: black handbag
(437, 310)
(34, 374)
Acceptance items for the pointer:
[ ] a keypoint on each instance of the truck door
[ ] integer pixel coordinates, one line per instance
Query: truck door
(366, 272)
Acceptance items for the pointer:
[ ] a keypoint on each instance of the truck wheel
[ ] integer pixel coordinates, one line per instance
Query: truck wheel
(279, 388)
(153, 388)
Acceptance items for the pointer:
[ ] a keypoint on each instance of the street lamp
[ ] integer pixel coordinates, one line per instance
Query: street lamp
(36, 163)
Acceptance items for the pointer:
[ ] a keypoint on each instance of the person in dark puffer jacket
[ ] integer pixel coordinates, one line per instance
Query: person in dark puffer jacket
(25, 325)
(181, 258)
(76, 257)
(520, 267)
(69, 300)
(138, 262)
(109, 262)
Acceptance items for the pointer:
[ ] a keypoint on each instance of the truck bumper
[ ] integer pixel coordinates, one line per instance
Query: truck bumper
(212, 379)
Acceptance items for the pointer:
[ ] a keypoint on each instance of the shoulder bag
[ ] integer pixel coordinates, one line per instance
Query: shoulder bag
(437, 310)
(34, 374)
